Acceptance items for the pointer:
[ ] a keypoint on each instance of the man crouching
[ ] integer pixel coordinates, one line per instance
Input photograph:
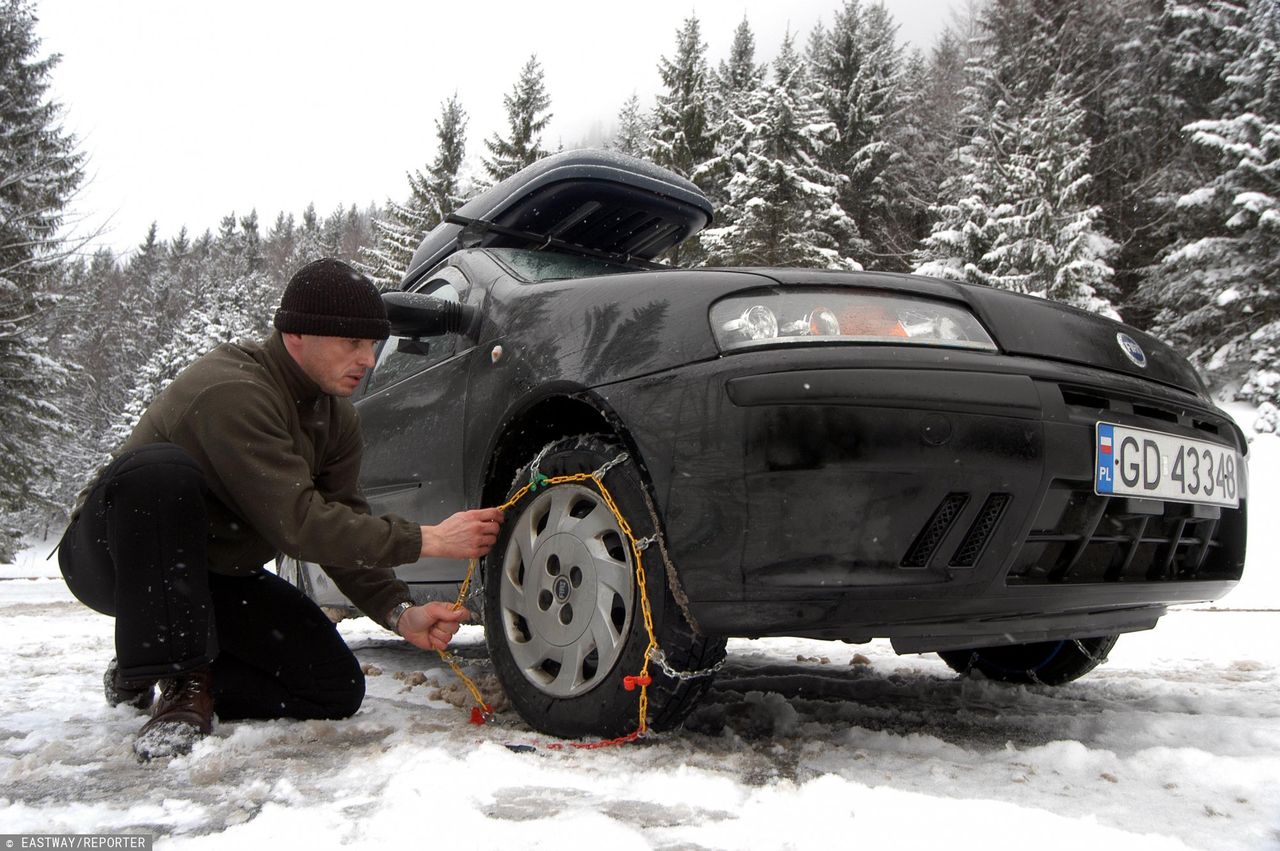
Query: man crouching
(254, 450)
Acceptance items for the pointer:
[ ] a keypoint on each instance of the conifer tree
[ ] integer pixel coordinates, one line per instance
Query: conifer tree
(735, 92)
(681, 137)
(781, 208)
(432, 196)
(858, 76)
(309, 241)
(39, 171)
(632, 137)
(279, 245)
(1017, 214)
(527, 117)
(239, 303)
(1218, 287)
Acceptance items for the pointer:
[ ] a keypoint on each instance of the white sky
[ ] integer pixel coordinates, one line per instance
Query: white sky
(190, 111)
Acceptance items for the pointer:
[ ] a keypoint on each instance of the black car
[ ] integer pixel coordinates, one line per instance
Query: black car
(1004, 480)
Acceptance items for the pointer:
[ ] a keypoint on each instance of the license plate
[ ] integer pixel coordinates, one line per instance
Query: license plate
(1154, 465)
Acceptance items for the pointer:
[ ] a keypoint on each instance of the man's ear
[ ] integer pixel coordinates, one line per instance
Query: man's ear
(292, 344)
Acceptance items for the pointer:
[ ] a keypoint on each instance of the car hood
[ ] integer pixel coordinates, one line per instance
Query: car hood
(1030, 326)
(600, 200)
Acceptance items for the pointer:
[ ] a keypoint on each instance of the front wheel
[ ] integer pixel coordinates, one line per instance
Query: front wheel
(1047, 663)
(562, 612)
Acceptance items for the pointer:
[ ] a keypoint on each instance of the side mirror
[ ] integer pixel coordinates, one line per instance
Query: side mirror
(417, 315)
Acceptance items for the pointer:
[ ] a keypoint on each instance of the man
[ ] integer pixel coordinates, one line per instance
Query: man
(251, 451)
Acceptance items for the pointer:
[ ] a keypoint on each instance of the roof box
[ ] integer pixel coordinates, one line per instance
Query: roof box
(599, 200)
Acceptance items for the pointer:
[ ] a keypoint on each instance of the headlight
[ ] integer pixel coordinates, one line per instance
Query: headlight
(814, 315)
(756, 323)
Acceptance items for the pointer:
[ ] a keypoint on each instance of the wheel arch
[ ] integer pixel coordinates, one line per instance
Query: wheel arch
(562, 414)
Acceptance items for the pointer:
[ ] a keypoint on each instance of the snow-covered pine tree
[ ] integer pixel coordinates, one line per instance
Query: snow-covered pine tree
(1219, 286)
(310, 242)
(733, 95)
(857, 72)
(632, 137)
(278, 248)
(527, 117)
(963, 229)
(931, 129)
(1049, 240)
(90, 306)
(681, 137)
(781, 208)
(39, 171)
(239, 303)
(1018, 216)
(432, 196)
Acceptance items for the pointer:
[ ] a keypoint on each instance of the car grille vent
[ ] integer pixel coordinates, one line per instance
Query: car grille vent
(1083, 399)
(1210, 428)
(1089, 404)
(1155, 413)
(944, 517)
(975, 540)
(1080, 536)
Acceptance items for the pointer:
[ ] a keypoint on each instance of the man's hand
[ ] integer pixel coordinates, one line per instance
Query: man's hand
(430, 626)
(467, 534)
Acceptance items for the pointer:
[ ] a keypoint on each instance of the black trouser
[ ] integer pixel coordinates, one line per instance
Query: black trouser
(137, 551)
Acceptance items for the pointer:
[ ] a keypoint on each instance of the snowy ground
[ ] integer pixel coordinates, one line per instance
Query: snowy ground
(1175, 743)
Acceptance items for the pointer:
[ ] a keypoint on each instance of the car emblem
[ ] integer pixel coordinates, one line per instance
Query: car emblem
(1132, 350)
(562, 589)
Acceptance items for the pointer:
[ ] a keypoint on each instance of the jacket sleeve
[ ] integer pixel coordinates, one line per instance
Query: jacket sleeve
(257, 471)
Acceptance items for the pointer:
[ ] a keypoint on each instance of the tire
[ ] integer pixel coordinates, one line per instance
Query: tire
(1049, 663)
(562, 616)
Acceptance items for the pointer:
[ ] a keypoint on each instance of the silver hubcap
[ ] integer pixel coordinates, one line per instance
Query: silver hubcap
(566, 590)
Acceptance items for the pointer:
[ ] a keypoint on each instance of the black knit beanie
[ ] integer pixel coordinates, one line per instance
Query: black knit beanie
(328, 298)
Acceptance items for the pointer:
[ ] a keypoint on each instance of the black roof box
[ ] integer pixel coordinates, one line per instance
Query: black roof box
(601, 200)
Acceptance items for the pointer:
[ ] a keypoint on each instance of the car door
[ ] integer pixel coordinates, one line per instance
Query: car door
(411, 411)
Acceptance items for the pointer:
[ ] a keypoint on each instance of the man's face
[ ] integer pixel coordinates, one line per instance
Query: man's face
(335, 363)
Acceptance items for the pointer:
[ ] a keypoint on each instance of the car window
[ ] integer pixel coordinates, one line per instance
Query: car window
(394, 365)
(538, 266)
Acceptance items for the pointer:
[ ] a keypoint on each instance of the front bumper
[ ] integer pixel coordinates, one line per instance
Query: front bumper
(939, 498)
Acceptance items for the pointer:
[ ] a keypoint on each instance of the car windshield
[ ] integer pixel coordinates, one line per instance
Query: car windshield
(538, 266)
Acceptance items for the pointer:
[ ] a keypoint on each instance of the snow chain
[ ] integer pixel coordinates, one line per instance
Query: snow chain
(1030, 672)
(483, 711)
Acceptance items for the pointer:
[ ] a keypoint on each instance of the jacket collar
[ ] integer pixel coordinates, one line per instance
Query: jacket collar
(298, 384)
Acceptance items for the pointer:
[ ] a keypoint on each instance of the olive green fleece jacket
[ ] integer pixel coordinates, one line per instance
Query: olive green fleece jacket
(281, 460)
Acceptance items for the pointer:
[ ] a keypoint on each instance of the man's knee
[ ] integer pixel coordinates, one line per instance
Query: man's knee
(349, 695)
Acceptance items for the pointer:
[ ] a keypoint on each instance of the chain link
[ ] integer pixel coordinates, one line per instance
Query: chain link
(537, 459)
(598, 475)
(660, 658)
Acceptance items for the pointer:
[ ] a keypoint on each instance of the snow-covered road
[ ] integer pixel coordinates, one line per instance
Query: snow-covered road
(802, 744)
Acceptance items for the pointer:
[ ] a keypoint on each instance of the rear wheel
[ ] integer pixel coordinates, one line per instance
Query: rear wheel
(563, 617)
(1047, 663)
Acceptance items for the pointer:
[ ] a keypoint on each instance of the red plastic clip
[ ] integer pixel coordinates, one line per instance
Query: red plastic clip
(630, 683)
(478, 715)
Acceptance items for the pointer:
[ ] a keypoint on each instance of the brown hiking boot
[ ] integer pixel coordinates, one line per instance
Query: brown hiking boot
(181, 717)
(122, 692)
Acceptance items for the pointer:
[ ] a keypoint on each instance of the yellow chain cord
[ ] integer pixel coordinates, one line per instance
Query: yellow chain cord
(483, 710)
